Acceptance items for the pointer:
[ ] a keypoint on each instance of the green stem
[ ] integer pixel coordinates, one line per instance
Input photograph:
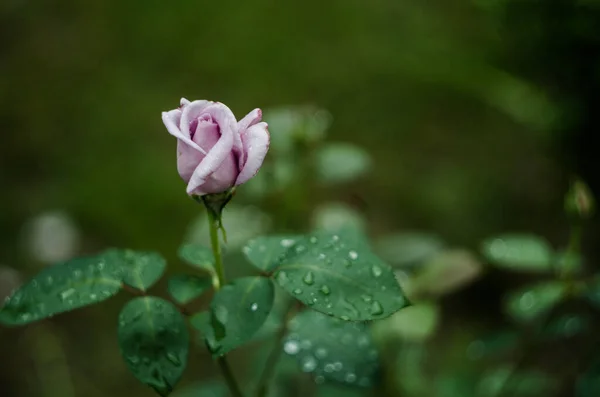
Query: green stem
(214, 224)
(229, 378)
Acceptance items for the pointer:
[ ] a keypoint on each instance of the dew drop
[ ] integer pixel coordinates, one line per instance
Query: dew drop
(254, 307)
(309, 278)
(300, 248)
(319, 379)
(325, 290)
(321, 256)
(376, 270)
(282, 278)
(376, 308)
(321, 353)
(291, 347)
(350, 377)
(353, 255)
(527, 301)
(337, 366)
(367, 298)
(297, 291)
(173, 359)
(335, 237)
(363, 341)
(309, 364)
(305, 344)
(313, 240)
(67, 293)
(328, 368)
(287, 242)
(133, 360)
(222, 314)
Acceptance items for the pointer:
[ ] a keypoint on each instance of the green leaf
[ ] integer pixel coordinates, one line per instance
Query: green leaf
(265, 252)
(332, 349)
(335, 275)
(341, 162)
(414, 323)
(185, 288)
(588, 384)
(493, 343)
(198, 256)
(592, 293)
(566, 326)
(507, 381)
(154, 342)
(530, 302)
(446, 272)
(408, 249)
(61, 288)
(238, 310)
(140, 269)
(519, 252)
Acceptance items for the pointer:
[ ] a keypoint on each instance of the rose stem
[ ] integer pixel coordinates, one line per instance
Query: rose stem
(213, 225)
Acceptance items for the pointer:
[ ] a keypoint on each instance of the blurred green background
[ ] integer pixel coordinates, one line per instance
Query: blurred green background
(473, 115)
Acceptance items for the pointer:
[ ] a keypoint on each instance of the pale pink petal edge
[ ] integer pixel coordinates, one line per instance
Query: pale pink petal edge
(256, 145)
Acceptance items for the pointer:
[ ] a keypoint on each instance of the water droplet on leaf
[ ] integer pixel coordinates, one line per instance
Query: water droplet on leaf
(291, 347)
(309, 278)
(376, 308)
(376, 270)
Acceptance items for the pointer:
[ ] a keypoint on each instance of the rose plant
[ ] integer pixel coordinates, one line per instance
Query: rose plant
(332, 278)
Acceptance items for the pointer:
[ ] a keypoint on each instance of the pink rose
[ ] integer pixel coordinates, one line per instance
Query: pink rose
(214, 151)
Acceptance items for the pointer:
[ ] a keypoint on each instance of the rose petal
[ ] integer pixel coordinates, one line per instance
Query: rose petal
(188, 159)
(220, 180)
(184, 102)
(191, 112)
(172, 121)
(249, 120)
(221, 150)
(256, 144)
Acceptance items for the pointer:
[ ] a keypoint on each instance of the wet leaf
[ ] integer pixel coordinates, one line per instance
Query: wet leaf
(198, 256)
(520, 252)
(332, 349)
(238, 311)
(265, 253)
(140, 269)
(154, 342)
(530, 302)
(61, 288)
(335, 275)
(185, 288)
